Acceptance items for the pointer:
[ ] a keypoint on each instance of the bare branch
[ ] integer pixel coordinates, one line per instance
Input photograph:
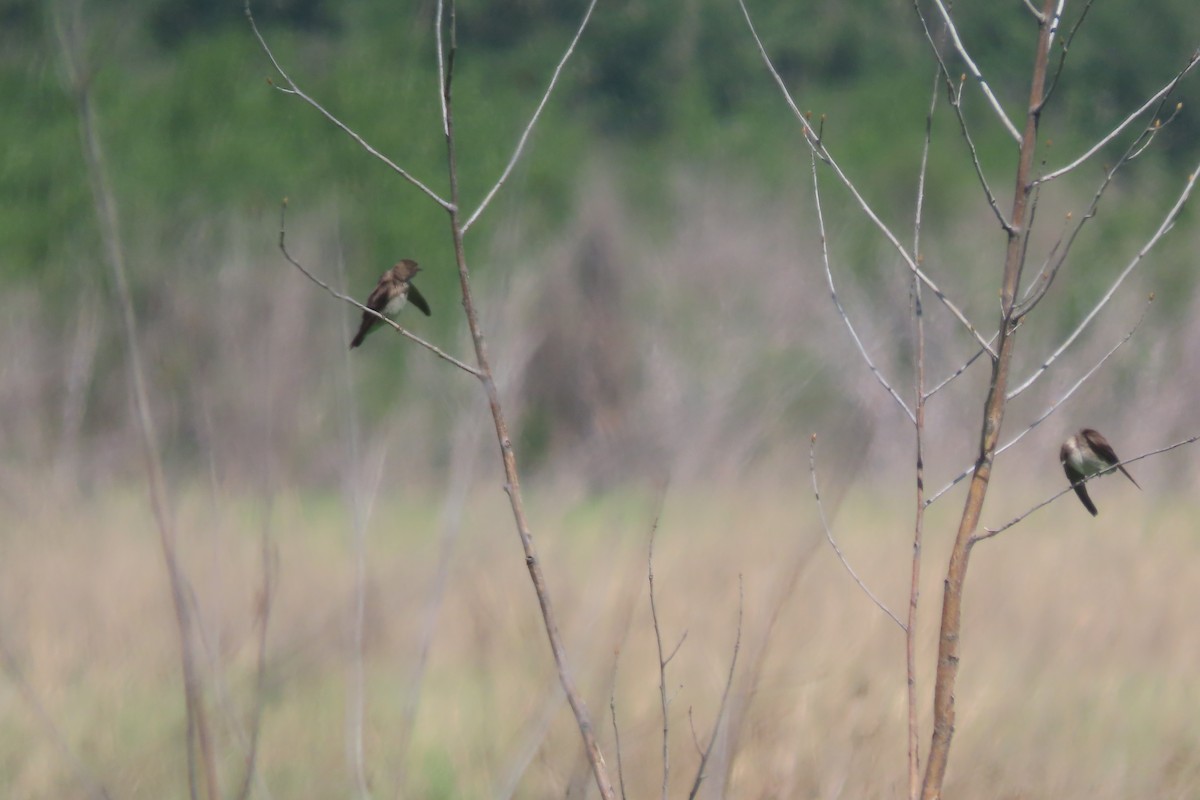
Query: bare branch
(814, 142)
(533, 120)
(737, 646)
(1075, 387)
(293, 89)
(966, 132)
(1167, 223)
(1034, 10)
(662, 663)
(990, 532)
(914, 588)
(1158, 96)
(1038, 288)
(955, 92)
(975, 73)
(960, 370)
(508, 457)
(266, 601)
(1066, 46)
(441, 63)
(812, 468)
(1054, 23)
(862, 350)
(695, 737)
(1053, 407)
(612, 706)
(437, 351)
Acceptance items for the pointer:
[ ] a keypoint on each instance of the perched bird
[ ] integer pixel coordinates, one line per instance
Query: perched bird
(1085, 454)
(391, 293)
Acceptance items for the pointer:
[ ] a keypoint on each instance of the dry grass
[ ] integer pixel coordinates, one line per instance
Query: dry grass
(1079, 677)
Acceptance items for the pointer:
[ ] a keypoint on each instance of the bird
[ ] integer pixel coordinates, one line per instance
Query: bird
(1085, 454)
(389, 296)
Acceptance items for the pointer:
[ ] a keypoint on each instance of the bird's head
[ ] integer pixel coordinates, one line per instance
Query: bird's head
(406, 268)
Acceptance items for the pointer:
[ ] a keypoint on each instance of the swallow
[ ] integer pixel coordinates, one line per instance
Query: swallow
(390, 295)
(1084, 455)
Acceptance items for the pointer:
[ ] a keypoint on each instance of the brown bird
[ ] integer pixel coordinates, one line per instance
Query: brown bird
(391, 293)
(1085, 454)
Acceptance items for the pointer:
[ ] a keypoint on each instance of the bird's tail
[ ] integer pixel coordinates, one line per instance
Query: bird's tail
(1081, 491)
(1127, 475)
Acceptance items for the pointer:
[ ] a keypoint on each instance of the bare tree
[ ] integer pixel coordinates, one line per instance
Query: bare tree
(1019, 295)
(445, 32)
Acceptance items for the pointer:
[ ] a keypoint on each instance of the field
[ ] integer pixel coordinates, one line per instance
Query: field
(1079, 676)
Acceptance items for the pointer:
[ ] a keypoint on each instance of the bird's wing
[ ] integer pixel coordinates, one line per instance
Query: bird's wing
(414, 297)
(1076, 479)
(1101, 447)
(377, 301)
(1105, 450)
(379, 297)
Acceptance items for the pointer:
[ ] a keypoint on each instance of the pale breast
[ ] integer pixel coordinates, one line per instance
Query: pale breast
(395, 304)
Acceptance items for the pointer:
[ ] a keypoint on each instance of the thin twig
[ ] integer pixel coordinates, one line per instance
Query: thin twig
(975, 73)
(990, 532)
(813, 139)
(1053, 407)
(1041, 286)
(512, 162)
(437, 351)
(1055, 21)
(662, 664)
(612, 706)
(956, 93)
(1066, 47)
(1115, 132)
(837, 303)
(1167, 223)
(737, 646)
(961, 369)
(812, 468)
(293, 89)
(914, 587)
(266, 601)
(695, 736)
(441, 65)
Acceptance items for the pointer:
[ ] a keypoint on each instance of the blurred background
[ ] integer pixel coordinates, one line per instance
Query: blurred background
(651, 284)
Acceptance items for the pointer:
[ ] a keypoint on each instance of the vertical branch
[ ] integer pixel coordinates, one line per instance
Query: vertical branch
(508, 458)
(914, 589)
(110, 230)
(712, 739)
(663, 660)
(993, 416)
